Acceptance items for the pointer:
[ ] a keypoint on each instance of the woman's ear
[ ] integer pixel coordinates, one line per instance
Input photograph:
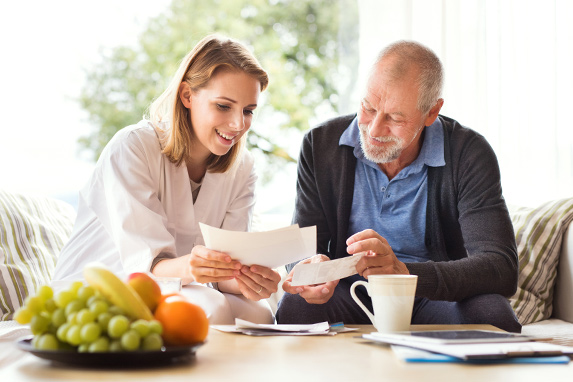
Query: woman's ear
(185, 94)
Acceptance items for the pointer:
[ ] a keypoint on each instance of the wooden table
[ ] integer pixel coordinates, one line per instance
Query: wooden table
(237, 357)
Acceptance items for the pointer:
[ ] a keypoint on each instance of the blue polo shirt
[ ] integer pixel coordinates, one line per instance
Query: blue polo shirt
(396, 209)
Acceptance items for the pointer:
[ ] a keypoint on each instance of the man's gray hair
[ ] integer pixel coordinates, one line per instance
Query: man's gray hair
(431, 77)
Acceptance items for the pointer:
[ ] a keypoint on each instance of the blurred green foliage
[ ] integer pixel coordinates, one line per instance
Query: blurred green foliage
(296, 41)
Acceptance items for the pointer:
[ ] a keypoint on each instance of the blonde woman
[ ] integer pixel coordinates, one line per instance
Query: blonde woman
(185, 163)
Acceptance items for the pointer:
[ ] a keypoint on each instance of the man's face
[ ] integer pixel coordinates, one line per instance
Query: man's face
(389, 120)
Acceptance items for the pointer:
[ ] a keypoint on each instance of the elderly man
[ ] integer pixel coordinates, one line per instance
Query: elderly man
(414, 191)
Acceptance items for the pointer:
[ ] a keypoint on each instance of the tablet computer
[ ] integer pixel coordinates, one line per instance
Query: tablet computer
(454, 336)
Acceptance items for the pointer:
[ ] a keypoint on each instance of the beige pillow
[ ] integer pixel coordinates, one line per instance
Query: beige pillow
(539, 233)
(33, 230)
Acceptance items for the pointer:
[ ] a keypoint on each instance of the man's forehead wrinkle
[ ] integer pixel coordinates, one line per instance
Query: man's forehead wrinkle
(373, 96)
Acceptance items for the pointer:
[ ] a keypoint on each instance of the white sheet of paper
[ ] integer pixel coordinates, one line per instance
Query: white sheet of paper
(270, 248)
(318, 273)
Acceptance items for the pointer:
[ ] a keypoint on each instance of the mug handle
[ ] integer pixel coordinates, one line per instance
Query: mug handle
(357, 300)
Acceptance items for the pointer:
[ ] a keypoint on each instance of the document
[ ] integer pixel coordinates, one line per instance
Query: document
(318, 273)
(476, 351)
(249, 328)
(270, 248)
(252, 329)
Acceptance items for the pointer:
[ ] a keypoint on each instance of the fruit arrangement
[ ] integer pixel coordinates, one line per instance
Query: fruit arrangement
(109, 315)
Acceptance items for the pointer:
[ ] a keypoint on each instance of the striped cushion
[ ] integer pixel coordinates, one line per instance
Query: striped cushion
(33, 230)
(539, 233)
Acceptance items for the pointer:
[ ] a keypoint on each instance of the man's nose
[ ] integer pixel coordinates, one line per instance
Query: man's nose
(378, 126)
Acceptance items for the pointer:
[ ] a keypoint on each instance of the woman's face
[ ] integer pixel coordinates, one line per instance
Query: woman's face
(222, 111)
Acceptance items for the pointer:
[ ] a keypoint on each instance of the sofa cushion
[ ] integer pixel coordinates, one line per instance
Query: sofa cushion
(33, 230)
(539, 233)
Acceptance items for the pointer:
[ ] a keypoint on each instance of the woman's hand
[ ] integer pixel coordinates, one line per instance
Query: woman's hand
(257, 282)
(206, 265)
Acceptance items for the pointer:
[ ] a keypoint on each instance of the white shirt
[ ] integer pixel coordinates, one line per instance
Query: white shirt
(138, 204)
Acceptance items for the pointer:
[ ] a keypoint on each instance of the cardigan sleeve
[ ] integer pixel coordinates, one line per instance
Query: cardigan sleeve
(471, 238)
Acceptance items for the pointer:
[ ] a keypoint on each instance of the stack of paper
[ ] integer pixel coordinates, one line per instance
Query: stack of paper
(246, 327)
(515, 347)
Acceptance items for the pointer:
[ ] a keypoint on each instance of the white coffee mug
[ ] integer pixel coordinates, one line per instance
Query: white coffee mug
(169, 284)
(392, 299)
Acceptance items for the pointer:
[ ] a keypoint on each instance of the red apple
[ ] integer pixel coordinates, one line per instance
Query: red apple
(146, 288)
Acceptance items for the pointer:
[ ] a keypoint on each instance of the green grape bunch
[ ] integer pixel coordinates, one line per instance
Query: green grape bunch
(81, 319)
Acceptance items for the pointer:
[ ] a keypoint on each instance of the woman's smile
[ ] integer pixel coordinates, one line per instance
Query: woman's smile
(226, 138)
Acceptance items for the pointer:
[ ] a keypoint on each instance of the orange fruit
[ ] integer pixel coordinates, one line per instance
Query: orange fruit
(183, 323)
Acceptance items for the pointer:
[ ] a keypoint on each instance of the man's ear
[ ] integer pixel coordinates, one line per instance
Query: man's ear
(433, 113)
(185, 94)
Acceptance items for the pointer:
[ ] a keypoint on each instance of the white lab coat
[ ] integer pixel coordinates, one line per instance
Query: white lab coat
(138, 204)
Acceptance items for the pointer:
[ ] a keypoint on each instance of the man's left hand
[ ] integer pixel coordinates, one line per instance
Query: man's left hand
(379, 258)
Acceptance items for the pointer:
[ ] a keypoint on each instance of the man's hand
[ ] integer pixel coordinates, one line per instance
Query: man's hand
(313, 294)
(379, 258)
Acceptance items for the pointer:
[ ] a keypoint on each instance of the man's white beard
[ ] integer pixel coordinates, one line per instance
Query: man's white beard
(380, 154)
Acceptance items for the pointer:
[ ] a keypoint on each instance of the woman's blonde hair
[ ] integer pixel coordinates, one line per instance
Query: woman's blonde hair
(211, 54)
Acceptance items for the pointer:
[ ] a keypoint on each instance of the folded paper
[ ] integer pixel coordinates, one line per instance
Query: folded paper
(325, 271)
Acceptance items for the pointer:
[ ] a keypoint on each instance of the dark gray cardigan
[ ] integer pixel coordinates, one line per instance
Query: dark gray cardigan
(469, 234)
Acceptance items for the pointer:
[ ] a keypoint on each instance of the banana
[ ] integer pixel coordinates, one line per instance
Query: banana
(116, 291)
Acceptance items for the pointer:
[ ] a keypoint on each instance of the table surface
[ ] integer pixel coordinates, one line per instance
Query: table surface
(238, 357)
